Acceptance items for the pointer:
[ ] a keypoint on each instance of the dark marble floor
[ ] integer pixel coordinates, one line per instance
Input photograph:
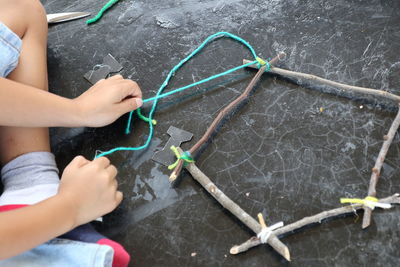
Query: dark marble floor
(279, 154)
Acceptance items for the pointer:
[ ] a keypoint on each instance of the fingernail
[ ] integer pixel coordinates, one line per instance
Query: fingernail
(139, 102)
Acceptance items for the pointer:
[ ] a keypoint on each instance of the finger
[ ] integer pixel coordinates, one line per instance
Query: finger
(102, 162)
(123, 89)
(112, 171)
(129, 104)
(118, 197)
(136, 91)
(115, 184)
(116, 77)
(79, 161)
(128, 88)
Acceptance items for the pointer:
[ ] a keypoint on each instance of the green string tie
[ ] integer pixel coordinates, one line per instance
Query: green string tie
(185, 157)
(262, 62)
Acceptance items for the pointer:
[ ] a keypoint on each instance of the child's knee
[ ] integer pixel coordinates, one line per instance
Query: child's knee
(20, 15)
(30, 8)
(38, 8)
(36, 14)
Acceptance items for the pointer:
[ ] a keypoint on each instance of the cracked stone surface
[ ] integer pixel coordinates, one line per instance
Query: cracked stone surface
(290, 152)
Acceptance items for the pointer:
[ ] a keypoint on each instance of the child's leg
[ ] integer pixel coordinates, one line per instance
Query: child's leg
(27, 19)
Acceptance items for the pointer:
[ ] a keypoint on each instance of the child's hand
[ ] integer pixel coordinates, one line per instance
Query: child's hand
(90, 187)
(107, 100)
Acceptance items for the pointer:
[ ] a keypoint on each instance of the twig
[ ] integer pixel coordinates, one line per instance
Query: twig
(318, 218)
(217, 120)
(222, 114)
(369, 91)
(344, 87)
(376, 170)
(234, 208)
(250, 221)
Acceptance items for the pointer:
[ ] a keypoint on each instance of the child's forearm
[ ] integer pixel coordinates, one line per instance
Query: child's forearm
(28, 227)
(76, 203)
(23, 105)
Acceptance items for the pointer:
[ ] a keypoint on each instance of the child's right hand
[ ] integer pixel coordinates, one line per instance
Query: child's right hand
(107, 100)
(90, 188)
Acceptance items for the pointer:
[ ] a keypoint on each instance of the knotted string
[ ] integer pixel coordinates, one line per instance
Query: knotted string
(266, 231)
(186, 157)
(370, 202)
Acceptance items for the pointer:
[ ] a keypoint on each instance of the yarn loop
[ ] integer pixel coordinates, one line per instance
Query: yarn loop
(160, 94)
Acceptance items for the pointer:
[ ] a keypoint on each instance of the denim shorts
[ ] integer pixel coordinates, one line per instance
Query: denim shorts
(10, 48)
(63, 253)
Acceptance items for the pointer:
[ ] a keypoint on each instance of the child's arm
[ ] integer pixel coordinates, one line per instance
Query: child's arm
(87, 191)
(103, 103)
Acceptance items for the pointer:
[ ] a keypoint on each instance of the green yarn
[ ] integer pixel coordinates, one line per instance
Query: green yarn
(262, 62)
(101, 12)
(160, 95)
(185, 157)
(144, 118)
(199, 82)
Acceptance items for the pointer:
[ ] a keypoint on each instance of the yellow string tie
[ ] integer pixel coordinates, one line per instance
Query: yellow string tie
(370, 202)
(185, 157)
(262, 62)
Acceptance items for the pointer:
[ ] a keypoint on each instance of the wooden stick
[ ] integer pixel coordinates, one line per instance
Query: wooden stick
(376, 170)
(318, 218)
(234, 208)
(225, 111)
(388, 138)
(341, 86)
(222, 114)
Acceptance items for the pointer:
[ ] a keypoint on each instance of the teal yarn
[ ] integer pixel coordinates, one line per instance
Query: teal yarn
(142, 117)
(160, 95)
(199, 82)
(101, 12)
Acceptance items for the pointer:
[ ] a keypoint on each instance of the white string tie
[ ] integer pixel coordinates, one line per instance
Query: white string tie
(267, 231)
